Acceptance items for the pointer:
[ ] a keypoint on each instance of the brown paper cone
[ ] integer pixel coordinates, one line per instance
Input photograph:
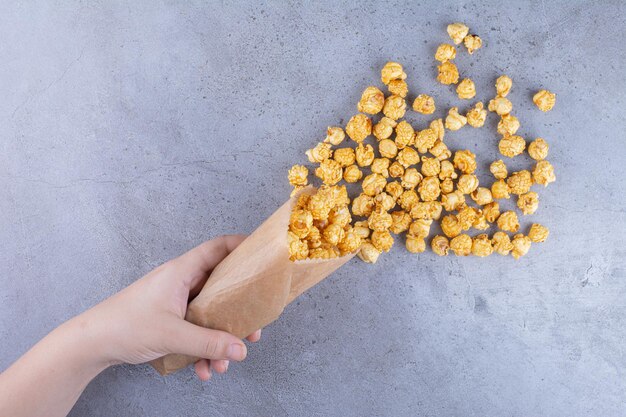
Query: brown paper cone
(252, 286)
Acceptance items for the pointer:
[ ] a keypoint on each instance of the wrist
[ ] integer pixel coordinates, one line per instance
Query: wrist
(86, 343)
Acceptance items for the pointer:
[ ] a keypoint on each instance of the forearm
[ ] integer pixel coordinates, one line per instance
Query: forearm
(50, 377)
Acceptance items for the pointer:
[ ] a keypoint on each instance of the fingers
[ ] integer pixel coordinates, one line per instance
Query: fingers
(219, 366)
(202, 369)
(189, 339)
(254, 337)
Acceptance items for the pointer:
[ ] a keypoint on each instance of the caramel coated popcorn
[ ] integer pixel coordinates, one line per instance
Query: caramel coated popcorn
(329, 171)
(394, 107)
(398, 87)
(404, 134)
(384, 128)
(538, 233)
(298, 175)
(392, 71)
(538, 149)
(364, 155)
(528, 203)
(482, 196)
(500, 190)
(372, 101)
(501, 243)
(445, 52)
(454, 120)
(320, 153)
(476, 116)
(521, 245)
(440, 245)
(368, 253)
(466, 89)
(387, 148)
(414, 244)
(429, 188)
(461, 245)
(544, 100)
(457, 32)
(481, 246)
(500, 105)
(508, 222)
(543, 173)
(519, 182)
(498, 169)
(424, 104)
(344, 156)
(425, 139)
(472, 43)
(359, 127)
(467, 183)
(352, 174)
(503, 85)
(465, 161)
(511, 145)
(448, 73)
(430, 166)
(508, 125)
(334, 135)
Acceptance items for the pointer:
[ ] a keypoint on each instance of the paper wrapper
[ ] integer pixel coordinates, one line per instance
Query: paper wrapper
(252, 286)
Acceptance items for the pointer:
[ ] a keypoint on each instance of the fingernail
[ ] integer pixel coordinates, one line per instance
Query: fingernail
(236, 352)
(226, 366)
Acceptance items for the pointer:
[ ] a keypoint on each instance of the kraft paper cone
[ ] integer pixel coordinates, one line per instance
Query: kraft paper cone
(252, 286)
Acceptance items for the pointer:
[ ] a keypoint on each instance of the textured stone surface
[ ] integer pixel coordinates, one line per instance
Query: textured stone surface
(132, 131)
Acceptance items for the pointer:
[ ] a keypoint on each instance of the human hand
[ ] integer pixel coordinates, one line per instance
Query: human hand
(146, 320)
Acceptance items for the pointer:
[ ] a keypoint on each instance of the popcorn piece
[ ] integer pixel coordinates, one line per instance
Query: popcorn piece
(544, 100)
(300, 222)
(361, 229)
(445, 52)
(454, 120)
(420, 228)
(345, 156)
(320, 153)
(472, 43)
(404, 134)
(466, 89)
(447, 186)
(329, 172)
(364, 155)
(359, 127)
(482, 196)
(457, 32)
(519, 182)
(408, 199)
(385, 201)
(538, 233)
(298, 175)
(426, 210)
(394, 107)
(407, 157)
(333, 234)
(528, 202)
(363, 205)
(398, 87)
(508, 125)
(382, 240)
(424, 104)
(298, 249)
(461, 245)
(369, 253)
(352, 174)
(430, 166)
(334, 135)
(396, 170)
(538, 149)
(387, 148)
(498, 169)
(425, 139)
(450, 226)
(508, 222)
(373, 184)
(394, 189)
(429, 188)
(476, 117)
(440, 245)
(350, 243)
(511, 145)
(481, 246)
(500, 190)
(491, 211)
(384, 128)
(411, 178)
(415, 245)
(448, 73)
(401, 220)
(440, 150)
(437, 126)
(453, 200)
(381, 166)
(379, 220)
(467, 216)
(320, 204)
(465, 161)
(543, 173)
(500, 105)
(372, 101)
(521, 246)
(392, 71)
(340, 215)
(501, 243)
(447, 170)
(467, 183)
(503, 85)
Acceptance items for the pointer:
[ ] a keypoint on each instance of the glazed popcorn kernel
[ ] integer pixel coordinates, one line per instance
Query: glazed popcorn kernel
(437, 126)
(350, 243)
(453, 200)
(508, 222)
(329, 172)
(543, 173)
(500, 190)
(500, 105)
(476, 116)
(446, 170)
(420, 228)
(501, 243)
(392, 71)
(467, 216)
(382, 240)
(387, 148)
(385, 201)
(466, 89)
(361, 229)
(511, 145)
(373, 184)
(368, 253)
(461, 245)
(298, 175)
(379, 219)
(440, 151)
(430, 166)
(467, 183)
(544, 100)
(521, 246)
(448, 73)
(538, 149)
(424, 104)
(538, 233)
(364, 155)
(363, 205)
(396, 170)
(472, 43)
(411, 178)
(340, 215)
(345, 156)
(519, 182)
(465, 161)
(481, 246)
(408, 199)
(414, 244)
(359, 127)
(394, 107)
(404, 134)
(320, 153)
(381, 166)
(298, 249)
(352, 174)
(454, 120)
(528, 203)
(334, 135)
(503, 85)
(398, 87)
(429, 189)
(426, 210)
(450, 225)
(481, 222)
(508, 125)
(425, 139)
(491, 211)
(394, 189)
(498, 169)
(401, 220)
(407, 157)
(300, 222)
(440, 245)
(447, 185)
(372, 101)
(333, 234)
(482, 196)
(445, 52)
(384, 128)
(457, 32)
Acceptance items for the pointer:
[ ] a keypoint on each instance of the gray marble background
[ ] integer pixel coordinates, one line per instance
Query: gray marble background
(132, 131)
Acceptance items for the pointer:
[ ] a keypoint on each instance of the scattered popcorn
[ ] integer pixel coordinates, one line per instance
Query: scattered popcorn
(498, 169)
(467, 216)
(334, 136)
(394, 189)
(298, 175)
(466, 89)
(447, 186)
(385, 201)
(424, 104)
(450, 226)
(453, 200)
(500, 190)
(455, 121)
(345, 156)
(508, 222)
(544, 100)
(491, 211)
(430, 166)
(472, 43)
(429, 188)
(448, 73)
(359, 127)
(543, 173)
(384, 128)
(372, 101)
(461, 245)
(482, 196)
(407, 157)
(329, 172)
(538, 149)
(445, 52)
(404, 135)
(501, 243)
(538, 233)
(500, 105)
(528, 203)
(398, 87)
(373, 184)
(392, 71)
(415, 245)
(467, 183)
(396, 170)
(321, 152)
(352, 174)
(387, 148)
(465, 161)
(440, 245)
(503, 85)
(437, 127)
(401, 220)
(411, 178)
(476, 117)
(369, 253)
(363, 205)
(364, 155)
(382, 240)
(511, 145)
(457, 32)
(394, 107)
(381, 166)
(408, 199)
(420, 228)
(425, 139)
(508, 125)
(440, 150)
(446, 170)
(481, 246)
(519, 182)
(521, 246)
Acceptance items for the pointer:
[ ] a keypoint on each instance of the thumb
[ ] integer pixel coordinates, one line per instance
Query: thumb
(192, 340)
